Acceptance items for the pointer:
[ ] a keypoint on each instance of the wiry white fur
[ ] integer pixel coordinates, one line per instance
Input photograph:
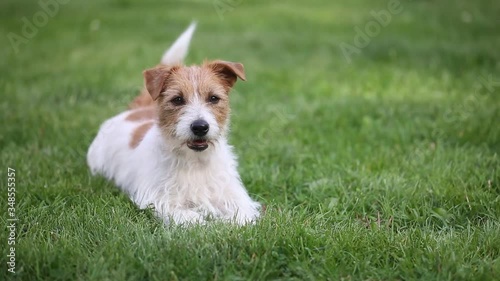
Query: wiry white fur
(178, 51)
(181, 184)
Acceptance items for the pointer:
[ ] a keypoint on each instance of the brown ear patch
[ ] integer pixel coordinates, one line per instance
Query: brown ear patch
(156, 78)
(228, 71)
(143, 114)
(139, 133)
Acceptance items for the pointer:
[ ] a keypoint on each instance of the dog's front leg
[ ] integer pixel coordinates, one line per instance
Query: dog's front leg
(185, 217)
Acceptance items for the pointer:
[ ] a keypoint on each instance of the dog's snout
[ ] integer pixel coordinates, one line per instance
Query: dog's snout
(200, 127)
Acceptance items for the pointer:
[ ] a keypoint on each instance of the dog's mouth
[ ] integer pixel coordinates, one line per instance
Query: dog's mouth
(198, 144)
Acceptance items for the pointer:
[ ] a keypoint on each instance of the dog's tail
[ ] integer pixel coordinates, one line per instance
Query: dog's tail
(178, 51)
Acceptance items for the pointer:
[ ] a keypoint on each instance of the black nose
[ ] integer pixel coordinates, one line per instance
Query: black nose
(200, 127)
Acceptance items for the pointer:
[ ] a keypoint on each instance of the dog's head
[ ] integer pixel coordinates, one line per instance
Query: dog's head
(193, 101)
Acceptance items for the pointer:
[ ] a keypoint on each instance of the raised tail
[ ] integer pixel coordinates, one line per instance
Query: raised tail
(173, 56)
(178, 51)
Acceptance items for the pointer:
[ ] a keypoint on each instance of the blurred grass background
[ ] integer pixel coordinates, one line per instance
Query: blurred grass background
(384, 168)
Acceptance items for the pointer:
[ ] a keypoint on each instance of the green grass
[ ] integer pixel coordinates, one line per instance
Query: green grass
(385, 168)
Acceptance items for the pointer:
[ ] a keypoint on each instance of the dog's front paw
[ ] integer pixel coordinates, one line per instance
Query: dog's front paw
(186, 217)
(247, 215)
(244, 218)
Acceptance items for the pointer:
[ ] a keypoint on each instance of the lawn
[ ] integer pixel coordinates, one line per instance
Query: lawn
(381, 163)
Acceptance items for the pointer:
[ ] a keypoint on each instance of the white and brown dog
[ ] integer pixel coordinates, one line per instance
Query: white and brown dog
(170, 150)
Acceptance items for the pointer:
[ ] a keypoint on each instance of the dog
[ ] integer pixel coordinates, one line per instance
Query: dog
(169, 150)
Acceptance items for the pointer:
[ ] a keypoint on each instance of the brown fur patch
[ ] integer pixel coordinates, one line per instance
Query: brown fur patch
(227, 71)
(142, 100)
(139, 133)
(156, 79)
(143, 114)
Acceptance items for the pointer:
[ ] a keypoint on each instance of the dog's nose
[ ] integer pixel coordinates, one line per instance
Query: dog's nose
(200, 127)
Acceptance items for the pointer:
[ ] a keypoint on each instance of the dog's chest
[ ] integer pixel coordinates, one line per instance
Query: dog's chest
(199, 183)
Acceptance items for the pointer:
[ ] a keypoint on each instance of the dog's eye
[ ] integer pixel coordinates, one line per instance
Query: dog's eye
(177, 101)
(214, 99)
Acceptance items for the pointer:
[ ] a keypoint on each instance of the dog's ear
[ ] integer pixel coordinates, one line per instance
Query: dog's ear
(228, 71)
(156, 78)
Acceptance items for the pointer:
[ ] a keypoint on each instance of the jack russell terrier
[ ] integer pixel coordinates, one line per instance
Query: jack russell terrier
(169, 151)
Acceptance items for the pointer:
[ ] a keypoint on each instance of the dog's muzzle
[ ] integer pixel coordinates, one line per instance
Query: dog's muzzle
(200, 129)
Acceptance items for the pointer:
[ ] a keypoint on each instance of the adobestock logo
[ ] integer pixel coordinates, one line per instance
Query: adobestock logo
(224, 6)
(49, 9)
(371, 29)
